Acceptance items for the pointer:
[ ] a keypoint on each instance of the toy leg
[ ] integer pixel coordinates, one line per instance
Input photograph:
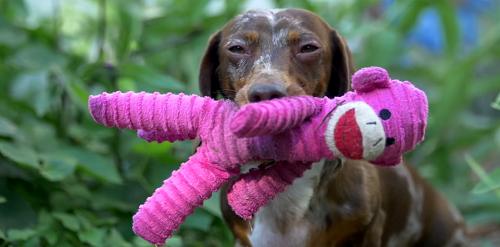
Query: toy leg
(256, 188)
(185, 190)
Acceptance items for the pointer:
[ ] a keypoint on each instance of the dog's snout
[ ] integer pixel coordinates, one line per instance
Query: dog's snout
(267, 91)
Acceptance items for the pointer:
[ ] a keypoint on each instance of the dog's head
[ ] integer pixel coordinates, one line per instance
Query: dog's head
(268, 54)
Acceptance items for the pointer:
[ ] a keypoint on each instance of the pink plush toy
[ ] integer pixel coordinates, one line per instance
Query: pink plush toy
(378, 122)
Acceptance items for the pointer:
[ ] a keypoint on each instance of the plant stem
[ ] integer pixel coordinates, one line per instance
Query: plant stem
(101, 32)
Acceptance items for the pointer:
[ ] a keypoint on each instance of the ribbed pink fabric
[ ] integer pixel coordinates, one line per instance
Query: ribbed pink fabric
(257, 187)
(407, 104)
(273, 116)
(180, 194)
(180, 117)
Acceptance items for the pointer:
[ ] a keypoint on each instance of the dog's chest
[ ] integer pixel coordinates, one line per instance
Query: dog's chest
(282, 222)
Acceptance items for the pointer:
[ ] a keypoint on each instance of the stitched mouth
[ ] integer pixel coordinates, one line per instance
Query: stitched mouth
(377, 142)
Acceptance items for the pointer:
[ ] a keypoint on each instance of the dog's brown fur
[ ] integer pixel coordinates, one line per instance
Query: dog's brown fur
(294, 52)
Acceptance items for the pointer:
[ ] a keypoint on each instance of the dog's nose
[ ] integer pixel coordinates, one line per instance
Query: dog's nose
(267, 91)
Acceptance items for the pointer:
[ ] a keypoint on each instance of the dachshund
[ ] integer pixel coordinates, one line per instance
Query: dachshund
(266, 54)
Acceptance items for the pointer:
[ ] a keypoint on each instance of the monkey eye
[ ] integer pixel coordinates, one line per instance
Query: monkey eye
(384, 114)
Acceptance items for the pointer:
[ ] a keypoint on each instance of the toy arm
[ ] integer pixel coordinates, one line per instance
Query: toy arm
(186, 189)
(178, 116)
(256, 188)
(273, 116)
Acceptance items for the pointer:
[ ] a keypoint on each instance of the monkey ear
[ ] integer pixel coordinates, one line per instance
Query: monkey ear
(208, 79)
(342, 66)
(370, 78)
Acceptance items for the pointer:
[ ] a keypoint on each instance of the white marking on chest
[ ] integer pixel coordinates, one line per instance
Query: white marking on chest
(413, 228)
(289, 208)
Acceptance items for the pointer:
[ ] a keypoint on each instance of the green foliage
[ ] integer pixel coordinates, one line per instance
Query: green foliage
(65, 181)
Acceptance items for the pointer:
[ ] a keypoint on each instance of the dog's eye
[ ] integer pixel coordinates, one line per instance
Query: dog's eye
(237, 49)
(308, 48)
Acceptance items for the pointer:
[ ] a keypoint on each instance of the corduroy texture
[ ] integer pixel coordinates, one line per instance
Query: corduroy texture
(153, 111)
(272, 117)
(408, 109)
(180, 194)
(179, 117)
(255, 188)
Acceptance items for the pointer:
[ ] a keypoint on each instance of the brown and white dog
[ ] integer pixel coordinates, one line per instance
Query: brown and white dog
(262, 55)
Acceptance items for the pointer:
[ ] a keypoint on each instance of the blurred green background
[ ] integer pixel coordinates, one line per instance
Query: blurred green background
(65, 181)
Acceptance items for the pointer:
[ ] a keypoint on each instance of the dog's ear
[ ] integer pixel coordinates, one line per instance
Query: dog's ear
(342, 66)
(208, 77)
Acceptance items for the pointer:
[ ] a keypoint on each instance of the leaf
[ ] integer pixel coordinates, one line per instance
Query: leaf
(2, 199)
(57, 168)
(7, 128)
(20, 235)
(84, 218)
(96, 165)
(116, 239)
(212, 205)
(146, 75)
(20, 154)
(488, 185)
(112, 197)
(407, 13)
(449, 22)
(488, 182)
(37, 57)
(32, 242)
(2, 235)
(45, 227)
(198, 220)
(496, 104)
(151, 148)
(129, 25)
(78, 93)
(92, 236)
(33, 88)
(126, 84)
(139, 242)
(14, 11)
(174, 241)
(11, 36)
(69, 221)
(16, 212)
